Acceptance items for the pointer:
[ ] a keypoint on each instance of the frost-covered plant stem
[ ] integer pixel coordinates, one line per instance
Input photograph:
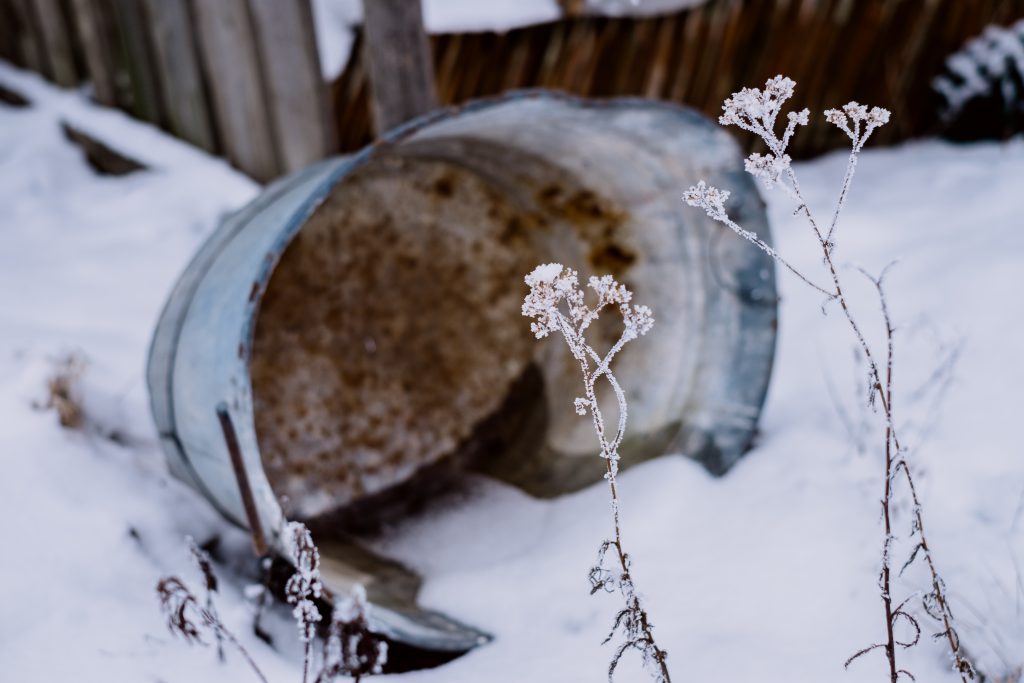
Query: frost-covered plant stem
(633, 600)
(187, 618)
(756, 111)
(551, 286)
(303, 587)
(350, 650)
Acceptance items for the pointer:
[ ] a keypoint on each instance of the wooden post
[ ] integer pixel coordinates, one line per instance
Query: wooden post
(296, 92)
(398, 61)
(92, 27)
(231, 60)
(174, 53)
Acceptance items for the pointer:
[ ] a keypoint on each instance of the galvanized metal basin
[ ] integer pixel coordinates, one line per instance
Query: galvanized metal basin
(361, 321)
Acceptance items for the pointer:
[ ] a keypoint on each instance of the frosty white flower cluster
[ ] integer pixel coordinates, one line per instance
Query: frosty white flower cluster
(551, 284)
(767, 167)
(304, 585)
(757, 111)
(711, 199)
(753, 109)
(857, 121)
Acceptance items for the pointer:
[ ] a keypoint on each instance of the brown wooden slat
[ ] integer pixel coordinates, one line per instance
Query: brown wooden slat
(94, 33)
(398, 61)
(9, 32)
(228, 53)
(30, 40)
(295, 88)
(56, 40)
(175, 57)
(132, 24)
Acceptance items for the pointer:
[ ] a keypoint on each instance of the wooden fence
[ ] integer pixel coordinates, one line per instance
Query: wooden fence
(236, 77)
(882, 52)
(241, 77)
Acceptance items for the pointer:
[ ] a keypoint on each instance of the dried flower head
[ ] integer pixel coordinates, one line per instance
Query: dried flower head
(184, 615)
(709, 198)
(857, 121)
(755, 110)
(550, 284)
(768, 168)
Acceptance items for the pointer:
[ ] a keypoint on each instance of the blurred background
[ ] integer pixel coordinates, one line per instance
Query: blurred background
(275, 85)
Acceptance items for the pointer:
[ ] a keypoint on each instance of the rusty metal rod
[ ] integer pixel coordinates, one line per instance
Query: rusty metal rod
(259, 541)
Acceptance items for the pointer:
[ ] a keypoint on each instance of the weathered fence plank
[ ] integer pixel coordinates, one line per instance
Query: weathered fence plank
(94, 33)
(229, 54)
(30, 44)
(399, 63)
(133, 32)
(296, 92)
(56, 41)
(175, 57)
(8, 32)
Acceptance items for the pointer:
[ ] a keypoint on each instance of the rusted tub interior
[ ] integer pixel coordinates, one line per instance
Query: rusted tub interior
(390, 341)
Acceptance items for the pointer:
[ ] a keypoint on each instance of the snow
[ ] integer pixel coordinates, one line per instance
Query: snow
(994, 58)
(768, 574)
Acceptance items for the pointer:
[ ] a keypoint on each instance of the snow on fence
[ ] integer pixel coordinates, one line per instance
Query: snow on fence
(242, 77)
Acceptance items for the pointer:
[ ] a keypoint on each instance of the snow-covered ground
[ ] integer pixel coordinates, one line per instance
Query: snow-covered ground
(768, 574)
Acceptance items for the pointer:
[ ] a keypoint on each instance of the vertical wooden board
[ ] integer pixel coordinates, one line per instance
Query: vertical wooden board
(92, 27)
(398, 61)
(295, 88)
(56, 40)
(8, 32)
(174, 55)
(133, 32)
(30, 43)
(228, 53)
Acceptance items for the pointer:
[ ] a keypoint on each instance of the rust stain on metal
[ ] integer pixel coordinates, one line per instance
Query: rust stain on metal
(387, 332)
(391, 327)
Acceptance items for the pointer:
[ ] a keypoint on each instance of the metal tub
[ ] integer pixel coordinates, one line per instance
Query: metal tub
(360, 320)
